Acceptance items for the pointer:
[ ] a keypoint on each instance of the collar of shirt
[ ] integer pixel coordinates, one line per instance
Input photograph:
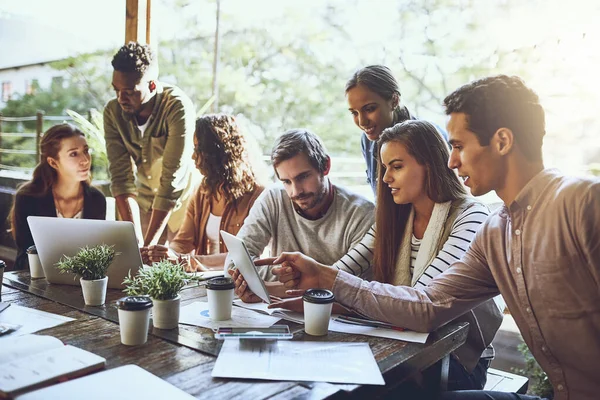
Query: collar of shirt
(530, 192)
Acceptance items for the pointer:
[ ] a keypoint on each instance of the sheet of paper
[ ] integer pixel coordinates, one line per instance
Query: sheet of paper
(407, 336)
(31, 320)
(279, 312)
(289, 360)
(197, 314)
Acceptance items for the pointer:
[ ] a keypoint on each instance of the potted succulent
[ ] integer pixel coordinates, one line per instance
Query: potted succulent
(162, 282)
(90, 264)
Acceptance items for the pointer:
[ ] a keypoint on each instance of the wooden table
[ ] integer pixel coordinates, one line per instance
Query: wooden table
(171, 355)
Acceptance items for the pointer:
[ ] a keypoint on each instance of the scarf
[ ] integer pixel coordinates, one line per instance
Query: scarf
(428, 249)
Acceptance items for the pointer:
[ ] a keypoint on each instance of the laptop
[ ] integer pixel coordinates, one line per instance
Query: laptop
(243, 262)
(56, 237)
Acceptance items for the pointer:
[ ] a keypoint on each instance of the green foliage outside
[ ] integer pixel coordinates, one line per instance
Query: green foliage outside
(163, 281)
(288, 69)
(539, 384)
(90, 263)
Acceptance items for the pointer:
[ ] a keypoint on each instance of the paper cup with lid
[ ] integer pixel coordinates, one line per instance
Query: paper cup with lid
(220, 297)
(317, 311)
(35, 266)
(134, 319)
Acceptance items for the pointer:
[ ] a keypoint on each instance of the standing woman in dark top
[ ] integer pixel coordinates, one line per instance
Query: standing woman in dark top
(60, 186)
(374, 101)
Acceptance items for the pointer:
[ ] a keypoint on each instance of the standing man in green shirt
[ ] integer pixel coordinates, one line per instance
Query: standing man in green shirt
(150, 125)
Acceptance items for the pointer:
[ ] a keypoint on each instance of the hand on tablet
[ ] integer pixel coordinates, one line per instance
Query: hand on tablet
(241, 288)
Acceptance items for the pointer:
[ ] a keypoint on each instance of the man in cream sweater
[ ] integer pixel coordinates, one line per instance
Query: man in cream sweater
(305, 213)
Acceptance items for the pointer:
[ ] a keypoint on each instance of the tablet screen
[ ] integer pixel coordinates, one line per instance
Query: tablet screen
(241, 257)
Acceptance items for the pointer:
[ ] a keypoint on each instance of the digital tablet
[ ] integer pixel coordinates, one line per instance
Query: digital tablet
(243, 262)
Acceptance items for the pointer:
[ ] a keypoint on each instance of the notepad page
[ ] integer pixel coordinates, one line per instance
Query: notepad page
(13, 348)
(46, 366)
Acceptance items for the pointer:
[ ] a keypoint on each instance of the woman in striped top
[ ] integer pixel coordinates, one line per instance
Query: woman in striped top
(424, 222)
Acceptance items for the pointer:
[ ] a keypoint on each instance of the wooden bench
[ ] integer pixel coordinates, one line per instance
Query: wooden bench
(501, 381)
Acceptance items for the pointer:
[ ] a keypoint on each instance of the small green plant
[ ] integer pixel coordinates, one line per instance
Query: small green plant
(162, 281)
(539, 384)
(90, 263)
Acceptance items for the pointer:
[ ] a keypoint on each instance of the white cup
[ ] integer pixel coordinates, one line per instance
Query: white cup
(35, 266)
(220, 297)
(317, 311)
(134, 319)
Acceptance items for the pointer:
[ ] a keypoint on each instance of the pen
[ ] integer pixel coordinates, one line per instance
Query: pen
(365, 322)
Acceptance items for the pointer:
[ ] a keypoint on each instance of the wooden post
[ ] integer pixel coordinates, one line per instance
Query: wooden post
(217, 54)
(38, 136)
(131, 21)
(135, 23)
(148, 15)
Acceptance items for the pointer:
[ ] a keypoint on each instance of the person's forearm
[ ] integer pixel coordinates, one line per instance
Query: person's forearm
(327, 276)
(124, 207)
(158, 222)
(212, 261)
(129, 211)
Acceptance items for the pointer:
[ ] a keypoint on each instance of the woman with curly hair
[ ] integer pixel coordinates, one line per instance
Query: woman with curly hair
(222, 201)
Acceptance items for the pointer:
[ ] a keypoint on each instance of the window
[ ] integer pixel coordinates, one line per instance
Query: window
(6, 91)
(29, 86)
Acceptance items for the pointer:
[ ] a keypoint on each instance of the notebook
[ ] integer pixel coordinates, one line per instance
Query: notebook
(29, 362)
(275, 312)
(55, 237)
(127, 383)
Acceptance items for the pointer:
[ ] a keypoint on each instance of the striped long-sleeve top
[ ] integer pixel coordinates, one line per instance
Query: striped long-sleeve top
(358, 260)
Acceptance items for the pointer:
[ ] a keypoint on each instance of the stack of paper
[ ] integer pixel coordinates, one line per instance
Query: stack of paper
(298, 361)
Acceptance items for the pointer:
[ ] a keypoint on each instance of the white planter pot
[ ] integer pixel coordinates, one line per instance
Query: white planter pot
(165, 313)
(94, 292)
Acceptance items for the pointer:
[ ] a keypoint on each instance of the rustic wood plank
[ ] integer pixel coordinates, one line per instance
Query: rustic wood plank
(191, 370)
(196, 338)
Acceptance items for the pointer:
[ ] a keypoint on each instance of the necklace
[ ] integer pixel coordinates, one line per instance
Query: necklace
(74, 211)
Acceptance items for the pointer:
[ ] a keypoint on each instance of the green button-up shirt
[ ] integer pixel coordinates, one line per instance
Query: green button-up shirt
(162, 155)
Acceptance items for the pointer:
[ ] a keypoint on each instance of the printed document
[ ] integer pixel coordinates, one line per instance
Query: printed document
(407, 336)
(31, 320)
(197, 314)
(289, 360)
